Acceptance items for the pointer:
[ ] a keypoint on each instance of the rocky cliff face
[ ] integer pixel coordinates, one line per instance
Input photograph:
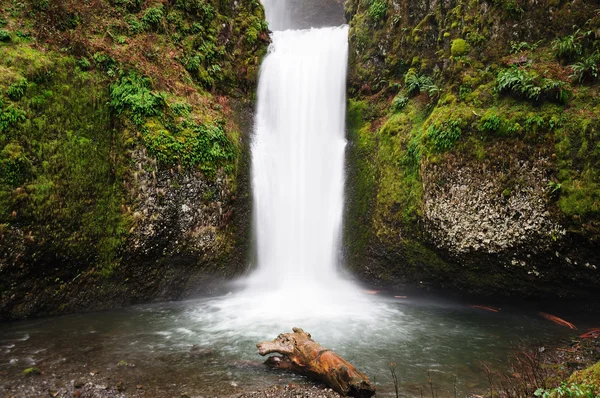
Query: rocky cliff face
(124, 137)
(474, 147)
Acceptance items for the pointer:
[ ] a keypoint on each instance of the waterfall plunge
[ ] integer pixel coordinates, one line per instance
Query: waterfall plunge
(298, 186)
(298, 157)
(298, 177)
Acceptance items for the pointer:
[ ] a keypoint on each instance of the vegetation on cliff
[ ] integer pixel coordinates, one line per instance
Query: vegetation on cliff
(84, 87)
(440, 91)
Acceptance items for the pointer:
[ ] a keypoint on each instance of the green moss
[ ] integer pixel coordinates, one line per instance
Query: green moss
(589, 376)
(362, 179)
(459, 48)
(63, 165)
(32, 371)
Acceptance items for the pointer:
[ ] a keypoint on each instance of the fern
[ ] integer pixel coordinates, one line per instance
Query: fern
(586, 69)
(416, 84)
(133, 94)
(529, 85)
(10, 117)
(399, 102)
(567, 47)
(445, 135)
(16, 90)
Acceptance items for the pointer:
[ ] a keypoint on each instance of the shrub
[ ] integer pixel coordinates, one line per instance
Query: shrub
(459, 47)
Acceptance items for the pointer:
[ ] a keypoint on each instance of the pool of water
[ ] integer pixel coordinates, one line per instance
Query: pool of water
(448, 339)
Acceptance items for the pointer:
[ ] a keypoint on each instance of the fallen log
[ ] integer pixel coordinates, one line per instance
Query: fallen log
(301, 354)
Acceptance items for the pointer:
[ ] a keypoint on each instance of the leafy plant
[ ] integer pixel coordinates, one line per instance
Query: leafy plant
(491, 123)
(570, 47)
(416, 84)
(445, 135)
(517, 47)
(133, 94)
(399, 102)
(153, 16)
(566, 390)
(105, 62)
(554, 187)
(378, 10)
(14, 164)
(10, 117)
(84, 63)
(4, 36)
(206, 146)
(16, 90)
(530, 85)
(135, 26)
(586, 69)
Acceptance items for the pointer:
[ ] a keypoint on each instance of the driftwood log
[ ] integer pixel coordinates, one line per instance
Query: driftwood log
(303, 355)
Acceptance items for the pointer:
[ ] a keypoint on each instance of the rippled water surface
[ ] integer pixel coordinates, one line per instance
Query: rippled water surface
(450, 339)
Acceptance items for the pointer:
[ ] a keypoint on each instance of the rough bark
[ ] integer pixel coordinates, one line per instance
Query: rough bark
(301, 354)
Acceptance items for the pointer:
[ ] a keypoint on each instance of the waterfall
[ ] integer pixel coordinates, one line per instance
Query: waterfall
(298, 157)
(298, 177)
(298, 186)
(278, 14)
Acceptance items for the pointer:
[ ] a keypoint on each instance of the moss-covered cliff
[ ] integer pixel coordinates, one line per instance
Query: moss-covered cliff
(123, 148)
(474, 130)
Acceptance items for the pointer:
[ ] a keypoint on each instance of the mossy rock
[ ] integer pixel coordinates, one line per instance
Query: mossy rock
(589, 376)
(459, 48)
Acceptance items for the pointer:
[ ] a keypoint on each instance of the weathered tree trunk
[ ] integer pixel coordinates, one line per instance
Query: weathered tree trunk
(303, 355)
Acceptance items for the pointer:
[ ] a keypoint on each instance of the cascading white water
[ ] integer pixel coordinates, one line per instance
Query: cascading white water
(298, 186)
(278, 14)
(298, 157)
